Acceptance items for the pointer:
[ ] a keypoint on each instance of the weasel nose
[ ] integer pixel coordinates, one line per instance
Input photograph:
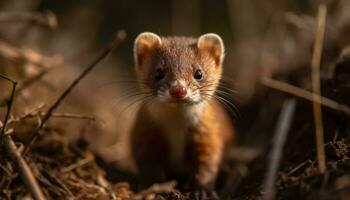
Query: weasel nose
(178, 92)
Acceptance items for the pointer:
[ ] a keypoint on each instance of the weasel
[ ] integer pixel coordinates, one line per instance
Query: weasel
(180, 130)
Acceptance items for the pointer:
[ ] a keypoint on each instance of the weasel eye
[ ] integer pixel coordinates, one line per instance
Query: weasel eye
(198, 74)
(159, 74)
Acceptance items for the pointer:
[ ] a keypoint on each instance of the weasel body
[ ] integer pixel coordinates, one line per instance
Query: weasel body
(181, 131)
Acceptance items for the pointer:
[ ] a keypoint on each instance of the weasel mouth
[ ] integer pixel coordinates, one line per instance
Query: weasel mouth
(174, 100)
(185, 101)
(178, 99)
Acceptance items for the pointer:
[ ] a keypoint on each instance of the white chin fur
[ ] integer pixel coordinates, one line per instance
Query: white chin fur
(187, 113)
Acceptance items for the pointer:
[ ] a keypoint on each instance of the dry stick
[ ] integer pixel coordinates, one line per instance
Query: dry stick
(297, 168)
(156, 188)
(26, 174)
(27, 55)
(77, 165)
(37, 112)
(11, 149)
(46, 18)
(54, 115)
(119, 37)
(293, 90)
(9, 105)
(32, 113)
(72, 116)
(316, 88)
(283, 126)
(27, 83)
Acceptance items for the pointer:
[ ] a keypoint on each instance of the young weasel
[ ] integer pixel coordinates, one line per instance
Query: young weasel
(180, 129)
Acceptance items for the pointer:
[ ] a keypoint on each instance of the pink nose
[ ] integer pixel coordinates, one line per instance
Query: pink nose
(178, 92)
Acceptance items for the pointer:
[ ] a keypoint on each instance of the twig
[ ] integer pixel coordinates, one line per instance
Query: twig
(54, 115)
(24, 54)
(77, 165)
(31, 80)
(11, 149)
(283, 126)
(119, 37)
(299, 92)
(26, 174)
(6, 170)
(46, 18)
(299, 21)
(156, 188)
(9, 105)
(55, 183)
(32, 113)
(297, 167)
(72, 116)
(7, 78)
(25, 84)
(316, 88)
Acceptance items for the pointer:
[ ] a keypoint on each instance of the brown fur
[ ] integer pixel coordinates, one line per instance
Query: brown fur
(161, 126)
(206, 146)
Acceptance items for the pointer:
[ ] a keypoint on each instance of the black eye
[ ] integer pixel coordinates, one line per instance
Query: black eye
(159, 74)
(198, 74)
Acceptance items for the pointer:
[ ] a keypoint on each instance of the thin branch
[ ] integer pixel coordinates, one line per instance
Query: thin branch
(7, 78)
(299, 92)
(78, 164)
(38, 112)
(9, 105)
(32, 113)
(31, 80)
(119, 37)
(72, 116)
(26, 173)
(23, 54)
(54, 115)
(297, 167)
(46, 18)
(316, 86)
(156, 188)
(26, 84)
(11, 149)
(299, 21)
(283, 126)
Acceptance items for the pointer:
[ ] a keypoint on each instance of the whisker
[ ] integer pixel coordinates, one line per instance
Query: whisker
(224, 93)
(228, 89)
(226, 103)
(221, 92)
(124, 82)
(149, 102)
(206, 86)
(131, 94)
(219, 86)
(138, 94)
(141, 99)
(233, 106)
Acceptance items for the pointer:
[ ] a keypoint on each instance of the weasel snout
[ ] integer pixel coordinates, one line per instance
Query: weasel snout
(178, 91)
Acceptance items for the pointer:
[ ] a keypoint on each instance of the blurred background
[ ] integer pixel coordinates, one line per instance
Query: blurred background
(44, 44)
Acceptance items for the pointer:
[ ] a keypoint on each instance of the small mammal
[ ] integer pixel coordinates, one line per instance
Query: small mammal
(180, 130)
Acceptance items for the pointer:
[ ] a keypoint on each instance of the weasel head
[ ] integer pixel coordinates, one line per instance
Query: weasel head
(178, 70)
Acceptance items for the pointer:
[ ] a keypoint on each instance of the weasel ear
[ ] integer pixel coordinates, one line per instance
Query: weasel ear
(145, 44)
(213, 45)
